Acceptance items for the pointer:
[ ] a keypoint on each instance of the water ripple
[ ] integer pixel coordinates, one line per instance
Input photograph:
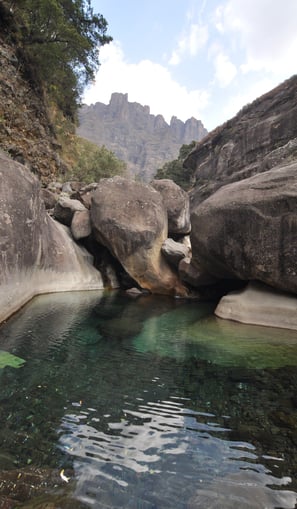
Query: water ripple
(164, 441)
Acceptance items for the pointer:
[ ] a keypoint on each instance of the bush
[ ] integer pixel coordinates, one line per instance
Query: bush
(175, 171)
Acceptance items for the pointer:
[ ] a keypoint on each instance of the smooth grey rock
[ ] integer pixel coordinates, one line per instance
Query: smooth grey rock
(259, 304)
(81, 224)
(177, 204)
(37, 254)
(134, 292)
(174, 251)
(66, 188)
(55, 187)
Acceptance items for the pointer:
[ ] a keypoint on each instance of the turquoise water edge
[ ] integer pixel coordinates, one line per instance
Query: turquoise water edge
(148, 403)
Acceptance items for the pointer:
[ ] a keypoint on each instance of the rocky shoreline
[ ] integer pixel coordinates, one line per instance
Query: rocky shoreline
(237, 226)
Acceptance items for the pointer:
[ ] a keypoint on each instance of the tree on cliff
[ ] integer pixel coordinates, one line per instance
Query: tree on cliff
(60, 40)
(175, 171)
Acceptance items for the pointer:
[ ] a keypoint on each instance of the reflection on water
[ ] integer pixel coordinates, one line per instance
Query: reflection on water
(150, 403)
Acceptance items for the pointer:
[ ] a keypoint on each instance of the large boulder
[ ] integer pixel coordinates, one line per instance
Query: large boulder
(248, 230)
(65, 209)
(81, 224)
(37, 254)
(177, 203)
(130, 219)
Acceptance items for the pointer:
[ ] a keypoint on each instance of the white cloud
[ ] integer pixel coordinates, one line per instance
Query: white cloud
(190, 42)
(145, 82)
(225, 70)
(267, 32)
(218, 19)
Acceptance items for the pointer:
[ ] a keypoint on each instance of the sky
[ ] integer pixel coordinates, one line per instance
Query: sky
(195, 58)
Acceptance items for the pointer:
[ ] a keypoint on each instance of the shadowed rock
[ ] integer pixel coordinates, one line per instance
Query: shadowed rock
(50, 199)
(65, 208)
(174, 251)
(177, 203)
(248, 230)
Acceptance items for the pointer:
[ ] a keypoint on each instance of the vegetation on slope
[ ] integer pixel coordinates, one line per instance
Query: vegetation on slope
(50, 52)
(85, 161)
(60, 41)
(175, 171)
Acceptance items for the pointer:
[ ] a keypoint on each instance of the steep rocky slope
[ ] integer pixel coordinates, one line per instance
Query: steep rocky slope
(25, 129)
(262, 135)
(143, 140)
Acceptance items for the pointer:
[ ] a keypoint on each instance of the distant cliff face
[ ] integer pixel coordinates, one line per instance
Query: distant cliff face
(144, 141)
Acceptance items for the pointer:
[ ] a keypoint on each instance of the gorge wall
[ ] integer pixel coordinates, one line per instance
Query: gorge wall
(144, 141)
(26, 132)
(262, 135)
(244, 206)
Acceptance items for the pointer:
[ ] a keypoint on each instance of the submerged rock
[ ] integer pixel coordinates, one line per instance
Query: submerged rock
(260, 305)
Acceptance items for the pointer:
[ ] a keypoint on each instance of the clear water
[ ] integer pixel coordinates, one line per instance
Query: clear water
(148, 403)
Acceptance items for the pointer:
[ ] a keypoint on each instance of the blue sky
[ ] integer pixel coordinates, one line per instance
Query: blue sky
(200, 58)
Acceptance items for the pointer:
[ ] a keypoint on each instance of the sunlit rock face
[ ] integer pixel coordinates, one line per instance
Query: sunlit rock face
(130, 219)
(248, 230)
(37, 254)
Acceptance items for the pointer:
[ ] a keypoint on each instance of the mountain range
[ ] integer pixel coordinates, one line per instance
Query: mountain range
(144, 141)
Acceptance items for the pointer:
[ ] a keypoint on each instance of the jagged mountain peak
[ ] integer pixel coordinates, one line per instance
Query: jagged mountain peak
(143, 140)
